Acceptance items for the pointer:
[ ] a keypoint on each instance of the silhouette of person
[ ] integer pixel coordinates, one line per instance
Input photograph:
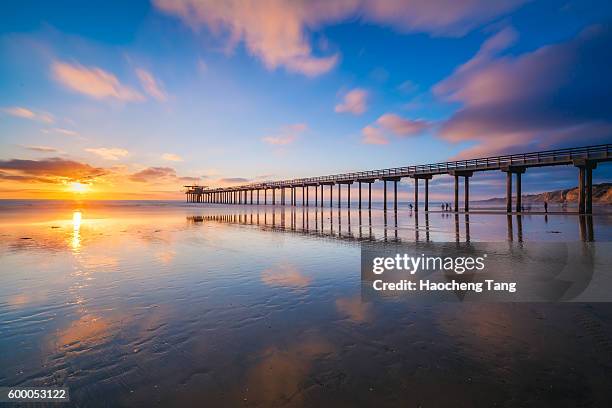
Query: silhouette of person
(545, 206)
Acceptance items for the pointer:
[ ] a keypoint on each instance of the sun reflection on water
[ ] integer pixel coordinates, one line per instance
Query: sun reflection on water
(76, 231)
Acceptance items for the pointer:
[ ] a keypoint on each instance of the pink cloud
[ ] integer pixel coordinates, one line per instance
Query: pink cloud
(373, 135)
(540, 99)
(354, 102)
(152, 86)
(287, 135)
(25, 113)
(272, 30)
(400, 126)
(437, 17)
(93, 81)
(276, 31)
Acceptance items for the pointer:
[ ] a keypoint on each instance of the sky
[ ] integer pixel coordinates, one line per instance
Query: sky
(133, 100)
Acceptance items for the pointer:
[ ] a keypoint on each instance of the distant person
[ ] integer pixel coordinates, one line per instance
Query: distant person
(410, 205)
(442, 206)
(546, 206)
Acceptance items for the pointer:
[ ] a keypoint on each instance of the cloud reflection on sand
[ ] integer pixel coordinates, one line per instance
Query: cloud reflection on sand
(354, 309)
(286, 275)
(279, 377)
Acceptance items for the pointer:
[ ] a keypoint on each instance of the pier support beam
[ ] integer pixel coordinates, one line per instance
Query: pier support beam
(416, 194)
(321, 196)
(348, 199)
(360, 195)
(395, 195)
(394, 180)
(307, 198)
(456, 203)
(466, 192)
(519, 193)
(426, 194)
(508, 192)
(385, 195)
(273, 196)
(518, 170)
(585, 185)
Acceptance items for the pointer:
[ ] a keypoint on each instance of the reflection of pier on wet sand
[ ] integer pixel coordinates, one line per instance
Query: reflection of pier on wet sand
(357, 225)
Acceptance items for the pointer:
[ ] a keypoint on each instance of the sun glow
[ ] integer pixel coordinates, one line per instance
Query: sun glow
(77, 187)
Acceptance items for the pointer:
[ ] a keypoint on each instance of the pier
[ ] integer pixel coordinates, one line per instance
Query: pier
(585, 159)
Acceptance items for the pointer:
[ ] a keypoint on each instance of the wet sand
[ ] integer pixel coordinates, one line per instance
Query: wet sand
(177, 305)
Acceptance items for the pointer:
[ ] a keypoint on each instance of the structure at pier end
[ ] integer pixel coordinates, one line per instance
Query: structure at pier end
(585, 159)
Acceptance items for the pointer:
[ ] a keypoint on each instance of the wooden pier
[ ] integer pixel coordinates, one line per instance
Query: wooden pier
(585, 159)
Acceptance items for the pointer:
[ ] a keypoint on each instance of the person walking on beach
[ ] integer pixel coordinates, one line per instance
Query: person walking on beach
(410, 205)
(546, 206)
(442, 206)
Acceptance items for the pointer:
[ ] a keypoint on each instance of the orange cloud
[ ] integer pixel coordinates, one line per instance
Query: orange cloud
(151, 85)
(112, 153)
(93, 81)
(172, 157)
(52, 170)
(354, 102)
(25, 113)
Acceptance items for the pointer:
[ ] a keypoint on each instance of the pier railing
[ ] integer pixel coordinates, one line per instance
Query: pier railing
(534, 159)
(584, 158)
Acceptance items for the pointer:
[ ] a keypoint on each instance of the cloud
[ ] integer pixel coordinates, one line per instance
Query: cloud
(287, 135)
(172, 157)
(400, 126)
(436, 17)
(394, 125)
(272, 30)
(50, 170)
(373, 135)
(354, 102)
(25, 113)
(152, 86)
(46, 149)
(154, 174)
(93, 82)
(556, 94)
(62, 131)
(113, 153)
(234, 180)
(277, 31)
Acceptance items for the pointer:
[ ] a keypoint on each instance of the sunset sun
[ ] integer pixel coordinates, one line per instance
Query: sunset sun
(79, 188)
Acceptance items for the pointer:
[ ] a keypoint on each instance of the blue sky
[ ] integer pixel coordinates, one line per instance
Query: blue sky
(146, 96)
